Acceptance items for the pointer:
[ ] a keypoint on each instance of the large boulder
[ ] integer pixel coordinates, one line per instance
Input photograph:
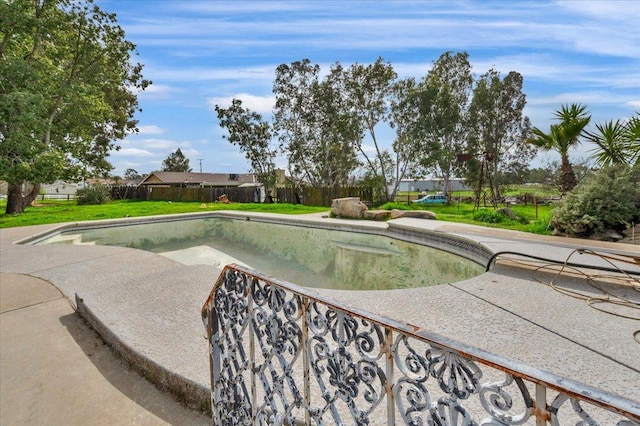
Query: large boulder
(350, 207)
(422, 214)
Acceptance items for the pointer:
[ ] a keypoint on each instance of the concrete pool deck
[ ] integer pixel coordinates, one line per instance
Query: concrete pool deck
(148, 306)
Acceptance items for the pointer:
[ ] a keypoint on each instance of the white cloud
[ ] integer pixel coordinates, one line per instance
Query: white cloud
(260, 104)
(634, 104)
(156, 91)
(150, 130)
(587, 98)
(186, 74)
(132, 152)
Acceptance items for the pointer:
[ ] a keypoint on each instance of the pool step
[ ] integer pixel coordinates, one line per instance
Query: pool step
(202, 255)
(65, 239)
(71, 239)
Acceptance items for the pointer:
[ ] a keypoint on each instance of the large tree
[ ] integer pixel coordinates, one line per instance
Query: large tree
(67, 92)
(443, 103)
(370, 89)
(176, 162)
(316, 129)
(561, 137)
(497, 128)
(404, 118)
(252, 134)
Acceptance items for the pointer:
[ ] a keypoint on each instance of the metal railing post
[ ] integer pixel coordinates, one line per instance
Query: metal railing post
(252, 349)
(391, 406)
(540, 409)
(305, 362)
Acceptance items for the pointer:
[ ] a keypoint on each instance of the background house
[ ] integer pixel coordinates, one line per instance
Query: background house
(197, 180)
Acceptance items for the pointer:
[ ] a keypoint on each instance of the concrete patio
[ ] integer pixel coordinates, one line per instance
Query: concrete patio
(147, 307)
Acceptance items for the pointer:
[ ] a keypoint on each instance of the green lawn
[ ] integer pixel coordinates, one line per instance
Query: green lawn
(532, 219)
(55, 211)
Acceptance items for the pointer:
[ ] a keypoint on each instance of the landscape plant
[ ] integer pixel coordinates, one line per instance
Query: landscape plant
(93, 195)
(617, 142)
(608, 199)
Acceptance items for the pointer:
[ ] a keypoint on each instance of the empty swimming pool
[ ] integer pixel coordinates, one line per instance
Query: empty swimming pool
(335, 257)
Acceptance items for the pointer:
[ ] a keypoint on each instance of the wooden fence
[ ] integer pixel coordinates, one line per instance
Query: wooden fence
(309, 196)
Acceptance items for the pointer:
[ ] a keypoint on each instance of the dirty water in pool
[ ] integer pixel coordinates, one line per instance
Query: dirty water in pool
(307, 256)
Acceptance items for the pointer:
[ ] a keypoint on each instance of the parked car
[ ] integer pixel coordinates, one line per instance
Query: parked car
(432, 199)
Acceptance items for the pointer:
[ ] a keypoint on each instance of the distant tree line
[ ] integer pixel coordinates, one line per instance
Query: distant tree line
(445, 123)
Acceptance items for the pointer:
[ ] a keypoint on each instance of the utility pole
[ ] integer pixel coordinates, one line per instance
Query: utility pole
(200, 160)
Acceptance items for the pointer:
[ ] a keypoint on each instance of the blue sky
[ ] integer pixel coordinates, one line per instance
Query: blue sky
(202, 53)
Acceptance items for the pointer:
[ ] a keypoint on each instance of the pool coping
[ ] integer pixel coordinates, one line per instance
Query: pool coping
(195, 392)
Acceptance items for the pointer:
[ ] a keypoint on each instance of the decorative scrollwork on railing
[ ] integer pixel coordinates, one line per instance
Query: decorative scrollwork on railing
(498, 402)
(458, 378)
(231, 395)
(586, 419)
(456, 375)
(281, 356)
(343, 354)
(275, 317)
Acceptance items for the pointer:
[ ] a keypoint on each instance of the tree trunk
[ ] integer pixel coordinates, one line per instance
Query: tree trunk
(567, 176)
(16, 201)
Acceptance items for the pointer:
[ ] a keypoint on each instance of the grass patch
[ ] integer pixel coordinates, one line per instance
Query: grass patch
(532, 219)
(56, 211)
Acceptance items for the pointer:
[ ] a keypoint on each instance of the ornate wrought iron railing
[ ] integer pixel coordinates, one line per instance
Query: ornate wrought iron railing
(283, 355)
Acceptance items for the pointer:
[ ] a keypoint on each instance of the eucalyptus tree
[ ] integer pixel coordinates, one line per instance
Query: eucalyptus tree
(67, 92)
(561, 137)
(317, 129)
(370, 90)
(294, 106)
(404, 119)
(336, 134)
(443, 106)
(496, 126)
(247, 130)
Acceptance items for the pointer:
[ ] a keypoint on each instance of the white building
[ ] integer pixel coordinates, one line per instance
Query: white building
(431, 185)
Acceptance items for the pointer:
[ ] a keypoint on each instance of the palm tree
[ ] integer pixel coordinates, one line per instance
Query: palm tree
(610, 139)
(562, 136)
(632, 139)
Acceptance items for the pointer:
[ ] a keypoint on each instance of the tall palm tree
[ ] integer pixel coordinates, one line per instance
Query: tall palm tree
(611, 142)
(561, 137)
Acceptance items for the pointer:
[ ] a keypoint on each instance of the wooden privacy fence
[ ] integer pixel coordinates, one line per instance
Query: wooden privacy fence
(310, 196)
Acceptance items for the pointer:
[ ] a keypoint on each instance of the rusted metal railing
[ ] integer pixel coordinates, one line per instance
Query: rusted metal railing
(283, 355)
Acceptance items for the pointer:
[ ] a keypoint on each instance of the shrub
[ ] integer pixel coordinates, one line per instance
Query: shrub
(607, 199)
(93, 195)
(395, 205)
(488, 216)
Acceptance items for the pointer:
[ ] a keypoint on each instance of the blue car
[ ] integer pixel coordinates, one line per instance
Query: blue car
(432, 199)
